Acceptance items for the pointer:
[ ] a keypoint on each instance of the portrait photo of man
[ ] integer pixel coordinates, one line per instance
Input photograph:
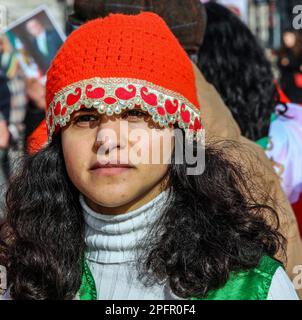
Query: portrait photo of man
(45, 41)
(36, 39)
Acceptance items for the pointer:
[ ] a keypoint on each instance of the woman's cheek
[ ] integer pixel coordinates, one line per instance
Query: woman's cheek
(162, 145)
(77, 153)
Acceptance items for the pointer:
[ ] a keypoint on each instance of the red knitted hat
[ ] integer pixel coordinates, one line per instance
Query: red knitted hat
(120, 61)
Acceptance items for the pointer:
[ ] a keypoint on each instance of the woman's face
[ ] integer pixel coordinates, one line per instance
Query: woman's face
(119, 162)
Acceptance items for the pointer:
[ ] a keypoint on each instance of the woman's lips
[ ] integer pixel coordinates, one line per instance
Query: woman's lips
(109, 169)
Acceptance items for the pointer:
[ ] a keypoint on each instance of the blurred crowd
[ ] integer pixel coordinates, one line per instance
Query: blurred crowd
(290, 64)
(22, 103)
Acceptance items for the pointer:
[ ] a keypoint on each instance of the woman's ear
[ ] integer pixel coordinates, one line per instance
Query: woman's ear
(218, 121)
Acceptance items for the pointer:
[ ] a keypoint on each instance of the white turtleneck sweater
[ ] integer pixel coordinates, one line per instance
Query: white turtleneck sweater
(112, 241)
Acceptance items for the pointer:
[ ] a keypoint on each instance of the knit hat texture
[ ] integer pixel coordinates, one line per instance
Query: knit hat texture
(120, 61)
(185, 18)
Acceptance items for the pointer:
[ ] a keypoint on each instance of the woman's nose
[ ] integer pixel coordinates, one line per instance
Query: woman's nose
(112, 134)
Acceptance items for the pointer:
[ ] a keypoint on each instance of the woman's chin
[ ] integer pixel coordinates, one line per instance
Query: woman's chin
(117, 199)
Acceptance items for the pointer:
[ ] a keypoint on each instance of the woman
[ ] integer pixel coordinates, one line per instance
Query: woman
(233, 61)
(95, 223)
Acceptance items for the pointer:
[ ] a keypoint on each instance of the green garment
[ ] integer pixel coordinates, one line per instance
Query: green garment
(87, 290)
(263, 142)
(252, 284)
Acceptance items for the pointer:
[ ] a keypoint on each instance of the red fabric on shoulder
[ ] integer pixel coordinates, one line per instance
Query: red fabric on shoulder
(298, 212)
(37, 139)
(283, 97)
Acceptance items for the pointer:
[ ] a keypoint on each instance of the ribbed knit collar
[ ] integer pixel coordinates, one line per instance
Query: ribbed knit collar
(115, 238)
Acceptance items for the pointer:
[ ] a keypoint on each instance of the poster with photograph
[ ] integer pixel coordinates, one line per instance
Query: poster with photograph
(35, 39)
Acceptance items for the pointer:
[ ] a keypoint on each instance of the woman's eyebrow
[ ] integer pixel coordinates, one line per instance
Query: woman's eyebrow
(87, 110)
(84, 110)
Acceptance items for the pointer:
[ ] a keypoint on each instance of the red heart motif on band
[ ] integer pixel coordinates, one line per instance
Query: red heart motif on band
(63, 111)
(150, 98)
(74, 98)
(197, 125)
(185, 114)
(161, 111)
(96, 93)
(110, 100)
(57, 109)
(170, 107)
(123, 94)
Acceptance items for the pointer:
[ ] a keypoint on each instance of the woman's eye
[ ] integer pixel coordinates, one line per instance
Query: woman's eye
(134, 114)
(85, 118)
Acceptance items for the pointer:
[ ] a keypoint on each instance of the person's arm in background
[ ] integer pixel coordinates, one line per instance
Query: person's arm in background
(36, 93)
(35, 113)
(4, 142)
(4, 132)
(220, 125)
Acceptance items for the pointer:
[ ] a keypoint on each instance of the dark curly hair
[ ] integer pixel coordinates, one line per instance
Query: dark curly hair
(234, 62)
(210, 227)
(43, 238)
